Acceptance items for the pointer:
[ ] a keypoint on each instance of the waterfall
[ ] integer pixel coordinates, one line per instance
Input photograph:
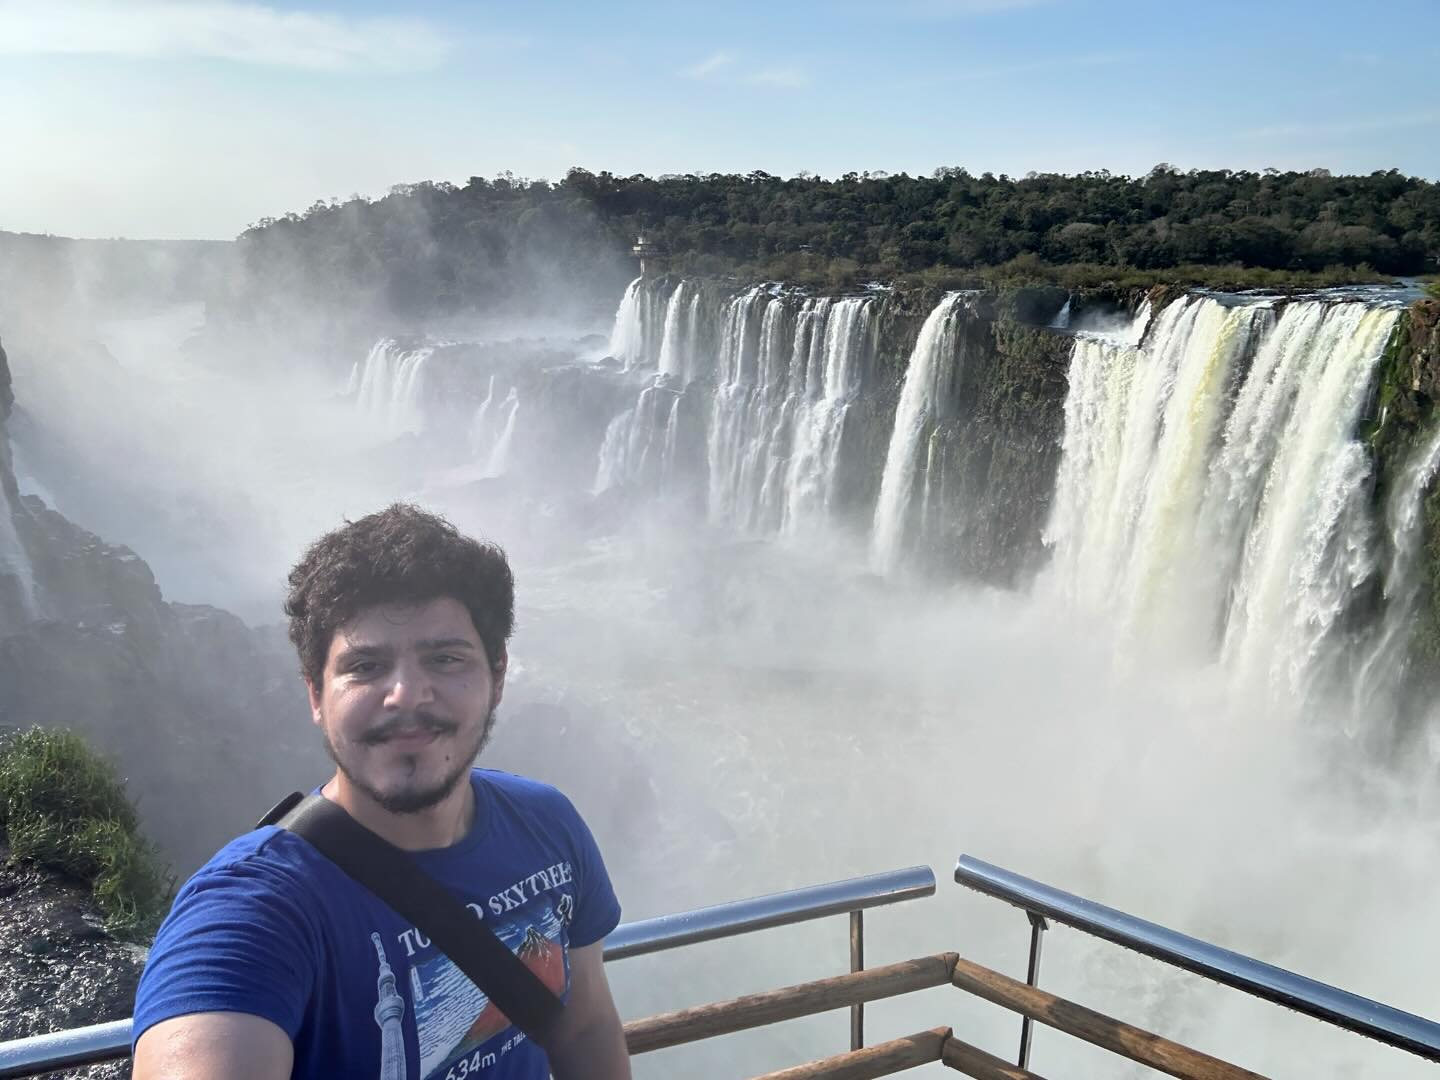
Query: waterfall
(1309, 546)
(928, 378)
(1210, 491)
(14, 559)
(500, 455)
(611, 469)
(1062, 317)
(1140, 430)
(641, 442)
(480, 435)
(753, 374)
(389, 385)
(786, 369)
(674, 346)
(831, 382)
(643, 319)
(627, 339)
(1380, 671)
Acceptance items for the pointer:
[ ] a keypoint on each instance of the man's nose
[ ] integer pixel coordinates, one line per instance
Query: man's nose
(409, 688)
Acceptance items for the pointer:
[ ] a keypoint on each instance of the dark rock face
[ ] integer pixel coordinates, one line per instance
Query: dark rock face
(997, 439)
(1424, 319)
(999, 454)
(59, 969)
(206, 717)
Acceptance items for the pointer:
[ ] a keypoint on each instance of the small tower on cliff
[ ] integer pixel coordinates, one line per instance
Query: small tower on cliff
(649, 254)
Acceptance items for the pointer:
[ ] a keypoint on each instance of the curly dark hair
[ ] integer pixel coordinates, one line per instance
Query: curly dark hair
(400, 554)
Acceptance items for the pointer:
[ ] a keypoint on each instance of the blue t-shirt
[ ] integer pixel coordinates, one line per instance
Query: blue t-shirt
(271, 927)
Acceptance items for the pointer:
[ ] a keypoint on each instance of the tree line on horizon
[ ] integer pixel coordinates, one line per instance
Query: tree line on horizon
(436, 248)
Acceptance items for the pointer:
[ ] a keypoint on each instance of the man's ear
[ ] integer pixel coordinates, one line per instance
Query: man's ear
(497, 677)
(314, 693)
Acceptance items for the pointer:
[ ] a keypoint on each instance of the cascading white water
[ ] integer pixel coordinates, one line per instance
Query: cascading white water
(818, 415)
(786, 370)
(1141, 425)
(481, 437)
(611, 468)
(14, 559)
(1380, 671)
(389, 383)
(1205, 515)
(640, 442)
(1309, 546)
(674, 346)
(640, 320)
(500, 455)
(746, 435)
(928, 376)
(627, 338)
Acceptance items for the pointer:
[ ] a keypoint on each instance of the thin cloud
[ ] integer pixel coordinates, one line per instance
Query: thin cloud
(245, 33)
(1349, 127)
(788, 78)
(712, 65)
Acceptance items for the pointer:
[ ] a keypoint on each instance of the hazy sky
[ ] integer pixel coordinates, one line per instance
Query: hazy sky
(172, 118)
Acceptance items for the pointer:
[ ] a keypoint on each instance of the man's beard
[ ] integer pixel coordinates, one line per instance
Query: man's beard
(415, 800)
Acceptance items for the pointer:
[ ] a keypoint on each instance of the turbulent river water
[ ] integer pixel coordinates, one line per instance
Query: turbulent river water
(739, 715)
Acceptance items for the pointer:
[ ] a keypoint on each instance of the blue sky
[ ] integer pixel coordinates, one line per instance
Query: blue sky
(193, 118)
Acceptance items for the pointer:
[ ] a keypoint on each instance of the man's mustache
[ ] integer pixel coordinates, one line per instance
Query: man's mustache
(406, 723)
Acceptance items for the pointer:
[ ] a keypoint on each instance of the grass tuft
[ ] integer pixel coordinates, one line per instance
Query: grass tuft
(63, 807)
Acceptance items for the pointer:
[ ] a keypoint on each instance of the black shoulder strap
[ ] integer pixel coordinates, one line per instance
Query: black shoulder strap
(394, 877)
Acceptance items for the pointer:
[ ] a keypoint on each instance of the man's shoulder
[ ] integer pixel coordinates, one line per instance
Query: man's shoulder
(267, 858)
(520, 788)
(530, 798)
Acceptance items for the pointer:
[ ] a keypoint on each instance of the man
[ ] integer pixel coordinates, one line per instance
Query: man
(273, 963)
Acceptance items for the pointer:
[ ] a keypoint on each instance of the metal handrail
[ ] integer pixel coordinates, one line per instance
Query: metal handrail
(1328, 1003)
(108, 1042)
(764, 912)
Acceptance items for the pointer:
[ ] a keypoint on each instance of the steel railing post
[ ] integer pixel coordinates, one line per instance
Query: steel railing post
(857, 963)
(1038, 926)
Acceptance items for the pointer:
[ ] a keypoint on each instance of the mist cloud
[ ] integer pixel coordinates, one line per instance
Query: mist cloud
(245, 33)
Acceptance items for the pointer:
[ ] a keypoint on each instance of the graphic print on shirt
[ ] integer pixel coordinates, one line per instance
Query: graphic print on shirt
(454, 1020)
(388, 1011)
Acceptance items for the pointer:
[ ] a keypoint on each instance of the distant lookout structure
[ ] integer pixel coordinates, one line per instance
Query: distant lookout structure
(648, 252)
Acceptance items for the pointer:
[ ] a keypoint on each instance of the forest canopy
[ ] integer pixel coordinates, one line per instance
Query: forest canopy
(432, 248)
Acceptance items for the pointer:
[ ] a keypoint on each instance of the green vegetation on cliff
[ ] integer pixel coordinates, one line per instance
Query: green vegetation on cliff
(62, 807)
(429, 248)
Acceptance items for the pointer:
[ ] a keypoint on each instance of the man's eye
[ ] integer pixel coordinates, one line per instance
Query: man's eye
(364, 667)
(445, 660)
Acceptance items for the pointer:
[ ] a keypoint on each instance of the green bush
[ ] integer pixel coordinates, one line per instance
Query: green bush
(63, 807)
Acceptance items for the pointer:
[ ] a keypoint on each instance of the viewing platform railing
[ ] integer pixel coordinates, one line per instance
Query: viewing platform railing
(40, 1054)
(1041, 903)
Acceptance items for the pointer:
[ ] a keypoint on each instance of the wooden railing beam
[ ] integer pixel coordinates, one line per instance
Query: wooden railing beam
(882, 1059)
(1104, 1031)
(772, 1006)
(974, 1062)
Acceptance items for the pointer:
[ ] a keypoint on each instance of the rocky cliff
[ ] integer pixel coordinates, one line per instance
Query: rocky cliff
(59, 968)
(205, 716)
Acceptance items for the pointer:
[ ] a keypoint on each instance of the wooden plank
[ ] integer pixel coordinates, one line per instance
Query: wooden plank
(883, 1059)
(1093, 1027)
(972, 1061)
(772, 1006)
